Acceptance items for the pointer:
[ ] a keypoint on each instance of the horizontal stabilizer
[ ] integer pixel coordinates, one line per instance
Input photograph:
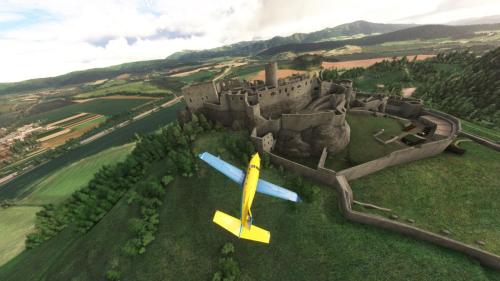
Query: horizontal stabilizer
(233, 225)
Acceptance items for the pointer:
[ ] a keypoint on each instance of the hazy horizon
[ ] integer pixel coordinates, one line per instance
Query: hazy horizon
(50, 38)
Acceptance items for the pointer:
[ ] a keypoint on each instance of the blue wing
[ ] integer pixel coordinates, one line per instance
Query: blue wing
(225, 168)
(276, 191)
(238, 176)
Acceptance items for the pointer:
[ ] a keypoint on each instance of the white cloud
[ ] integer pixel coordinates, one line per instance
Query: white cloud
(41, 38)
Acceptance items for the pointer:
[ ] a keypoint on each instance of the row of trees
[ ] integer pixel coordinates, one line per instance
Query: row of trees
(88, 205)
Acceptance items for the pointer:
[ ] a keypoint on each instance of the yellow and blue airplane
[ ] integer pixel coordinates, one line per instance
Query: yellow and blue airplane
(251, 183)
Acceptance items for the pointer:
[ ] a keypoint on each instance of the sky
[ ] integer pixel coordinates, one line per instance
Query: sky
(41, 38)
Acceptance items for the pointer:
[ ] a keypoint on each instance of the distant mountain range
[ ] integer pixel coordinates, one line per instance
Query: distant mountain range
(412, 33)
(248, 48)
(361, 33)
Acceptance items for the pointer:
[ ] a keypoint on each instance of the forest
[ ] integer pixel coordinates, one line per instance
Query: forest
(458, 82)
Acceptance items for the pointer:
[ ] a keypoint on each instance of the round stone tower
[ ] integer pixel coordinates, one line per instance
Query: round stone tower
(272, 74)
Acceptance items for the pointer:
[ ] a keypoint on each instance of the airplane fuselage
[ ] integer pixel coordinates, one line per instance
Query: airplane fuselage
(249, 189)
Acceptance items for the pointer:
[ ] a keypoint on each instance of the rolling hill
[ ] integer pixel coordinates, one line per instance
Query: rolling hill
(412, 33)
(248, 48)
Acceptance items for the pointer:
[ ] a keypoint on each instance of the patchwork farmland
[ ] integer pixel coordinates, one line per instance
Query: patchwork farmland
(59, 132)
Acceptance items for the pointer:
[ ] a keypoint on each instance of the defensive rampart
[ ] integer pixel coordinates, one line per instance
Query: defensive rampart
(344, 193)
(339, 180)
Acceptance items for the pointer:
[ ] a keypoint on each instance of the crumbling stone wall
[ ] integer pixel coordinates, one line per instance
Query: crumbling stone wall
(344, 194)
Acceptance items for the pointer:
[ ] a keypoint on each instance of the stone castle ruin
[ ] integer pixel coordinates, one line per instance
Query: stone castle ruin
(297, 116)
(303, 115)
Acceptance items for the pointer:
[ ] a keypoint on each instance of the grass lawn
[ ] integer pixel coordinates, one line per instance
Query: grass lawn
(481, 131)
(64, 182)
(128, 88)
(15, 223)
(369, 81)
(107, 107)
(458, 193)
(309, 241)
(363, 147)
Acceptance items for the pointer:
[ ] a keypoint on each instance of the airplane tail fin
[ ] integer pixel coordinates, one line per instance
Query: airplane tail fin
(234, 226)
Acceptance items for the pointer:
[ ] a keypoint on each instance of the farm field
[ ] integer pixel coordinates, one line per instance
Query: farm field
(199, 76)
(365, 62)
(282, 73)
(363, 147)
(329, 247)
(70, 128)
(61, 184)
(16, 221)
(17, 187)
(127, 88)
(106, 107)
(447, 191)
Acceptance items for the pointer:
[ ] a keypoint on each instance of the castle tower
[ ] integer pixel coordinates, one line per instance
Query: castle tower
(272, 74)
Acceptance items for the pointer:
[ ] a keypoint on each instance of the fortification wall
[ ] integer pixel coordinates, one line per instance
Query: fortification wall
(320, 175)
(292, 96)
(197, 94)
(404, 155)
(235, 101)
(454, 121)
(344, 193)
(395, 158)
(480, 140)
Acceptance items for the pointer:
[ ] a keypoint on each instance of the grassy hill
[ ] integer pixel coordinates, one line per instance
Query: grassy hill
(90, 75)
(309, 241)
(430, 190)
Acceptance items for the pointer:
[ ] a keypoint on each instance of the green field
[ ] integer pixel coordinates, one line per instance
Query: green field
(199, 76)
(481, 131)
(363, 147)
(64, 182)
(17, 220)
(15, 223)
(458, 193)
(89, 123)
(245, 71)
(107, 107)
(309, 241)
(135, 88)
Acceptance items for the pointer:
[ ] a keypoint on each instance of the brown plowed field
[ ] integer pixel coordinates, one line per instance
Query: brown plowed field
(365, 63)
(282, 73)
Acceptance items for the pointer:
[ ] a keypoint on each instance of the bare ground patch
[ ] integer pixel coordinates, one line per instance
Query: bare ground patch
(366, 62)
(282, 73)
